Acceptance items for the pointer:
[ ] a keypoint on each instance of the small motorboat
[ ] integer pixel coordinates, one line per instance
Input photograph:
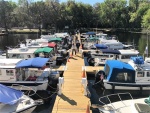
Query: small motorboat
(14, 101)
(131, 105)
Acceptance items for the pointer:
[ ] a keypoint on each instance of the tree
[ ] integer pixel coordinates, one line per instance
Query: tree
(146, 20)
(6, 13)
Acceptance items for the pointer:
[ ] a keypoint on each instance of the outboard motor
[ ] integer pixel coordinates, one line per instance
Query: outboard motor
(53, 80)
(91, 61)
(99, 76)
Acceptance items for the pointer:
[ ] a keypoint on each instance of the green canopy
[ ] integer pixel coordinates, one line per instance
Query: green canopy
(44, 49)
(93, 38)
(57, 39)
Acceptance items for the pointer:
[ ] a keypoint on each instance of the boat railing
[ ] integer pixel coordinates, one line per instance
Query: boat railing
(22, 87)
(111, 103)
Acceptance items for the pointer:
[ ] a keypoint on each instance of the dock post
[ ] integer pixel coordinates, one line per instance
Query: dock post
(84, 83)
(60, 82)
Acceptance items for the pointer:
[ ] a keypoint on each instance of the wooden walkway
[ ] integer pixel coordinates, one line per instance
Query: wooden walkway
(72, 99)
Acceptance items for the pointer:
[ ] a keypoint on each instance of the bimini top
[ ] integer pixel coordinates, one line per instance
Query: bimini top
(51, 44)
(37, 62)
(9, 95)
(43, 50)
(110, 51)
(90, 33)
(113, 67)
(100, 46)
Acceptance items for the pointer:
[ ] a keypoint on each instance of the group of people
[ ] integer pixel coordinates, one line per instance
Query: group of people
(75, 47)
(73, 44)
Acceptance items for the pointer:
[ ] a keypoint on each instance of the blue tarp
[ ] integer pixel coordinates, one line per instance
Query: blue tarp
(9, 95)
(115, 67)
(90, 33)
(100, 46)
(111, 51)
(138, 60)
(37, 62)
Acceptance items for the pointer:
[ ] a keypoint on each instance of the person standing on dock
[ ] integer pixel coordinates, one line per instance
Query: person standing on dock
(77, 45)
(69, 42)
(73, 49)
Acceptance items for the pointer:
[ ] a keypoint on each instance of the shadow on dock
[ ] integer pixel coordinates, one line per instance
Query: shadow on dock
(70, 101)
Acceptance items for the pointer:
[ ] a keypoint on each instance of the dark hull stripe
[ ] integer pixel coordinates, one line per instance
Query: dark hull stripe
(128, 84)
(25, 84)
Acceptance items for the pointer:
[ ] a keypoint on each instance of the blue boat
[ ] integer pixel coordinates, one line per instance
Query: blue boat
(29, 73)
(123, 76)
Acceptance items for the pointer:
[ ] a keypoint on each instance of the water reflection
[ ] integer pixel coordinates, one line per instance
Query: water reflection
(13, 40)
(139, 40)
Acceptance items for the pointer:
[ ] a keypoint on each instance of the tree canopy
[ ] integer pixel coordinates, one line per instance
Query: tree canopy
(53, 14)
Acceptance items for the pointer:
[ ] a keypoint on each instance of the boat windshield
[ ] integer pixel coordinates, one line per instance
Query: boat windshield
(142, 108)
(108, 100)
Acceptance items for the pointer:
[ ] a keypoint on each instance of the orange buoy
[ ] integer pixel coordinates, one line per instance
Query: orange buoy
(68, 60)
(83, 73)
(88, 109)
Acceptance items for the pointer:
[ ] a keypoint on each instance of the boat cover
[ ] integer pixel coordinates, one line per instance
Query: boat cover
(57, 39)
(138, 60)
(37, 62)
(90, 33)
(51, 44)
(93, 38)
(111, 51)
(113, 67)
(100, 46)
(43, 50)
(9, 95)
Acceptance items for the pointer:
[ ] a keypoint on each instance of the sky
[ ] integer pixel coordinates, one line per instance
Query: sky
(92, 2)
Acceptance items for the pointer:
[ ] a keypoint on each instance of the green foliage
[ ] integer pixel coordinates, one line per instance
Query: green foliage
(52, 14)
(146, 20)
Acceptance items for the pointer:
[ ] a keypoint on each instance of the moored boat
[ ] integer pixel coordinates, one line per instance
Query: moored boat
(100, 56)
(31, 73)
(121, 105)
(121, 76)
(15, 101)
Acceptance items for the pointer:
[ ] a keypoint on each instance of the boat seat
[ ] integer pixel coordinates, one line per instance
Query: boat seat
(142, 108)
(31, 78)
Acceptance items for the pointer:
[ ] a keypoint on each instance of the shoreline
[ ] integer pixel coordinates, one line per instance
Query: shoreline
(44, 31)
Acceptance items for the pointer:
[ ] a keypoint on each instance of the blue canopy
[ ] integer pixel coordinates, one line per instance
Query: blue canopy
(114, 67)
(90, 33)
(100, 46)
(9, 95)
(37, 62)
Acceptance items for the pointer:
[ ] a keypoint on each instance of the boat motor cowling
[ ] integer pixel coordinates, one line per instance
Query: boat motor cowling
(98, 74)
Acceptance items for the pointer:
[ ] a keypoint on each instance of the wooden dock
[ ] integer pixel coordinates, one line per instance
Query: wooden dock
(72, 99)
(92, 68)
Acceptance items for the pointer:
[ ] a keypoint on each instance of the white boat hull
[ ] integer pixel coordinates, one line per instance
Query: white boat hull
(24, 104)
(126, 86)
(126, 107)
